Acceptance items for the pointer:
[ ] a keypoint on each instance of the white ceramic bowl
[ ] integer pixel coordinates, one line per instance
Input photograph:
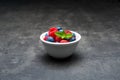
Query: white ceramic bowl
(60, 50)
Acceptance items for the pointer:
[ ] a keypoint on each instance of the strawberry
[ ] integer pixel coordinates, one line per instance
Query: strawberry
(63, 41)
(57, 39)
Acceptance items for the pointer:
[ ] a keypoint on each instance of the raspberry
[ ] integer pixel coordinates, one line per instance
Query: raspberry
(57, 39)
(45, 38)
(63, 41)
(53, 29)
(68, 32)
(52, 33)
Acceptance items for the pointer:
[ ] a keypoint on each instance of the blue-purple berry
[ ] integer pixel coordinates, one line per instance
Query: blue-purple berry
(46, 34)
(73, 34)
(59, 28)
(72, 39)
(51, 39)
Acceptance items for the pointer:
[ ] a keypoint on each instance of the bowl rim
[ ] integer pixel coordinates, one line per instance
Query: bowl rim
(78, 37)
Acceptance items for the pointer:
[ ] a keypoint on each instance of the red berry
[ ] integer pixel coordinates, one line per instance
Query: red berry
(63, 41)
(57, 39)
(45, 38)
(68, 32)
(52, 33)
(53, 29)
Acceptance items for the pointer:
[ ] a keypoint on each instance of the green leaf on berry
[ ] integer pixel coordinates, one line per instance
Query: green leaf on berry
(60, 34)
(63, 35)
(68, 36)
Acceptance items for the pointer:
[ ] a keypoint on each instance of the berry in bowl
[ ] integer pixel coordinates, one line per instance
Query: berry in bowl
(60, 43)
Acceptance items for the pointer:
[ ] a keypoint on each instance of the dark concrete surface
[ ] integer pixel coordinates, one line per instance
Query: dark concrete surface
(22, 56)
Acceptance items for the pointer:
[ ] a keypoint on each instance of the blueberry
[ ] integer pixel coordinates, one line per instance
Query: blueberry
(51, 39)
(72, 39)
(46, 34)
(59, 28)
(73, 34)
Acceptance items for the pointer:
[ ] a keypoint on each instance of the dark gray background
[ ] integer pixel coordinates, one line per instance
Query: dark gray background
(22, 56)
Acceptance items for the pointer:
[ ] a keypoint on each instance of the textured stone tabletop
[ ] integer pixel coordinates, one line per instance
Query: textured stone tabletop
(22, 56)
